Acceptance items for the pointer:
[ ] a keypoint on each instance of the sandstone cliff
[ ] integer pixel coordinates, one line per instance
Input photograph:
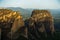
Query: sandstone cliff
(41, 24)
(10, 23)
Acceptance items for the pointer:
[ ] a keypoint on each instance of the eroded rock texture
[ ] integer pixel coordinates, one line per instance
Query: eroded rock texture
(40, 25)
(11, 24)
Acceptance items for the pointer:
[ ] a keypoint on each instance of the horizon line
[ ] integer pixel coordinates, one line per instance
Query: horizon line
(30, 8)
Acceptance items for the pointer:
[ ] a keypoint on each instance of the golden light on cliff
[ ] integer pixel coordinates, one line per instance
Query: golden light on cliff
(9, 15)
(44, 15)
(3, 17)
(14, 13)
(0, 17)
(19, 17)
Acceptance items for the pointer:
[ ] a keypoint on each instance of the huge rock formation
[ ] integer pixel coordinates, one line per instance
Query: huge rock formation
(10, 23)
(38, 26)
(43, 16)
(40, 23)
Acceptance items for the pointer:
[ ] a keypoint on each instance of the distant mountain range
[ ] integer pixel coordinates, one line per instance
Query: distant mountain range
(27, 12)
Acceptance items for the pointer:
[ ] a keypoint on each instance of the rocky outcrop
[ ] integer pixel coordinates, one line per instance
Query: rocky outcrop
(40, 24)
(10, 23)
(43, 16)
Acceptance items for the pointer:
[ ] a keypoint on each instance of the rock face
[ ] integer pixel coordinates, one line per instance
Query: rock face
(10, 23)
(43, 16)
(40, 23)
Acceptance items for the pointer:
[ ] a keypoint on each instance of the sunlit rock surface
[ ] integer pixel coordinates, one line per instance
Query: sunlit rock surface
(38, 27)
(10, 23)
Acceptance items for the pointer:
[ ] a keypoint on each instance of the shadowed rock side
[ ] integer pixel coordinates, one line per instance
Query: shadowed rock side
(11, 24)
(40, 25)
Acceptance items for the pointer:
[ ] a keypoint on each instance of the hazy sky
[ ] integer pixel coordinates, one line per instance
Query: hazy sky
(47, 4)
